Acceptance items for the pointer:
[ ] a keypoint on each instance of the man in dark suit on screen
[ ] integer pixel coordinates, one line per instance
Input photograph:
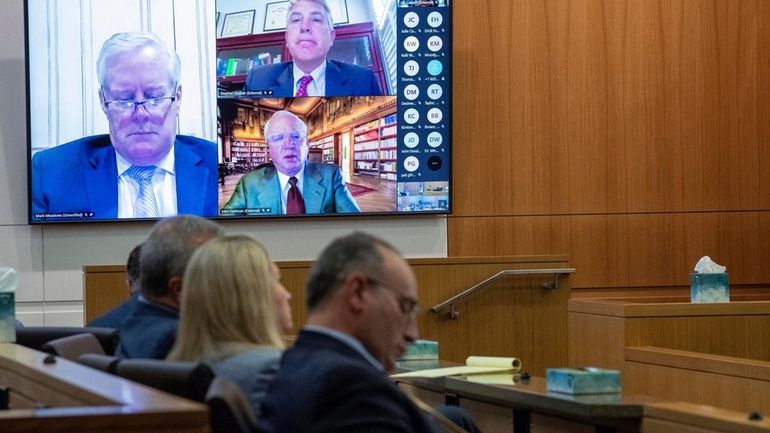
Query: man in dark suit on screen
(309, 37)
(142, 168)
(291, 184)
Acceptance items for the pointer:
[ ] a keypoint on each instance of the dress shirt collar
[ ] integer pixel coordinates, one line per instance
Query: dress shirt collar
(348, 340)
(317, 87)
(283, 179)
(144, 300)
(167, 163)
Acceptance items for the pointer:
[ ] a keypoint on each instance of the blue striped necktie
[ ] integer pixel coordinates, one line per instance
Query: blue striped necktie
(145, 206)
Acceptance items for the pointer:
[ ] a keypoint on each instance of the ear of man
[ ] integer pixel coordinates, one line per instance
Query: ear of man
(354, 293)
(102, 101)
(175, 290)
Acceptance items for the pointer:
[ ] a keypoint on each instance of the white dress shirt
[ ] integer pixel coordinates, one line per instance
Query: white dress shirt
(283, 180)
(163, 185)
(317, 87)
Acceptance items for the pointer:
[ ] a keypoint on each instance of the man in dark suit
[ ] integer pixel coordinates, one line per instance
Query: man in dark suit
(362, 304)
(142, 169)
(309, 37)
(149, 330)
(290, 184)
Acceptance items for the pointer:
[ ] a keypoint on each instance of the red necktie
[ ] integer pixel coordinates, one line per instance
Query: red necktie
(303, 82)
(294, 203)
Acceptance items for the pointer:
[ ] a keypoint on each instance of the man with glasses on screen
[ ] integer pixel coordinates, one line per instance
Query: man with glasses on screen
(291, 184)
(309, 37)
(142, 168)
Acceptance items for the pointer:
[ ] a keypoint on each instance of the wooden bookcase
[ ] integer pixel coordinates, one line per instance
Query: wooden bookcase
(248, 153)
(374, 147)
(354, 43)
(329, 154)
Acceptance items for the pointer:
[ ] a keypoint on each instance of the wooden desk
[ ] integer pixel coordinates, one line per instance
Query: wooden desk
(528, 407)
(738, 329)
(711, 354)
(67, 397)
(679, 417)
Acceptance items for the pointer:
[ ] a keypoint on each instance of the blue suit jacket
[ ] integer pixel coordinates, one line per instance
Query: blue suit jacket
(115, 317)
(82, 176)
(259, 191)
(324, 385)
(148, 332)
(342, 79)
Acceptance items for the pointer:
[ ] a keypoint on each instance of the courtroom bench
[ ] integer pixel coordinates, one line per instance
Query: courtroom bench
(47, 393)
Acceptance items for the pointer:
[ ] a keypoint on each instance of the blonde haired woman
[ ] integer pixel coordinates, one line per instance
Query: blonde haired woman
(234, 310)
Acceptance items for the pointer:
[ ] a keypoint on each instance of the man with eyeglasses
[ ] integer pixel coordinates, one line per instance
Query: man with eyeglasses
(142, 168)
(309, 37)
(290, 184)
(362, 308)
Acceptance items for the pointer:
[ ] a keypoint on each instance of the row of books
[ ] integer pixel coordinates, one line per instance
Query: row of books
(236, 66)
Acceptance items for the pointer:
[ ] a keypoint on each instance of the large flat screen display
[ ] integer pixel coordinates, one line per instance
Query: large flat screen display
(237, 109)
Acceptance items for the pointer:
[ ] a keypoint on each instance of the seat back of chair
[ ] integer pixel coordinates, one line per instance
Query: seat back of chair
(35, 336)
(229, 409)
(186, 379)
(105, 363)
(72, 346)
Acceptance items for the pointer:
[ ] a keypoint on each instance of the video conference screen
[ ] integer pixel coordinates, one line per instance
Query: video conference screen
(237, 109)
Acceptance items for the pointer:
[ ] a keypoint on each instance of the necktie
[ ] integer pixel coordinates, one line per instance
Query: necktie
(145, 206)
(303, 82)
(294, 203)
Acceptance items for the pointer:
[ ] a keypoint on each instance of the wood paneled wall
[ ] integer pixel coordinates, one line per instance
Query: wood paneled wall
(633, 135)
(494, 321)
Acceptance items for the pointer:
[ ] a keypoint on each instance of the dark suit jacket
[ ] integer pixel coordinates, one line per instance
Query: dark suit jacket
(323, 385)
(116, 316)
(342, 79)
(82, 176)
(148, 332)
(323, 191)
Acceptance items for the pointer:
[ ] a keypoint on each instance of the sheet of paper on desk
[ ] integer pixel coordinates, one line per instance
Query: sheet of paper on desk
(495, 378)
(473, 365)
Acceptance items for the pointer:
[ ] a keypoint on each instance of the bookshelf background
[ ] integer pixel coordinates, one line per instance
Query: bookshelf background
(329, 155)
(374, 148)
(248, 153)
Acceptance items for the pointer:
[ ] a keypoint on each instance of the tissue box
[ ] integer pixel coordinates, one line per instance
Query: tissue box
(588, 380)
(709, 288)
(7, 318)
(420, 349)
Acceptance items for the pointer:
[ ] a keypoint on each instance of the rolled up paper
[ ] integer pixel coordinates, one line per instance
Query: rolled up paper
(473, 365)
(494, 361)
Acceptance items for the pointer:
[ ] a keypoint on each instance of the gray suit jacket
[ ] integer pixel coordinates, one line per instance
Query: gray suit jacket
(259, 192)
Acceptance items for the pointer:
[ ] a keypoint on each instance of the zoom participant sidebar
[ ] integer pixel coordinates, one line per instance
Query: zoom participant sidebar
(424, 105)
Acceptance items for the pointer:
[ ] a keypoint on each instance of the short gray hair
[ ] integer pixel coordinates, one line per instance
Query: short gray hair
(285, 113)
(168, 248)
(356, 252)
(121, 43)
(324, 5)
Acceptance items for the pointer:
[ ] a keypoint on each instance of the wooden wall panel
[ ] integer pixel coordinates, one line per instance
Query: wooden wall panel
(495, 321)
(633, 135)
(628, 250)
(720, 390)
